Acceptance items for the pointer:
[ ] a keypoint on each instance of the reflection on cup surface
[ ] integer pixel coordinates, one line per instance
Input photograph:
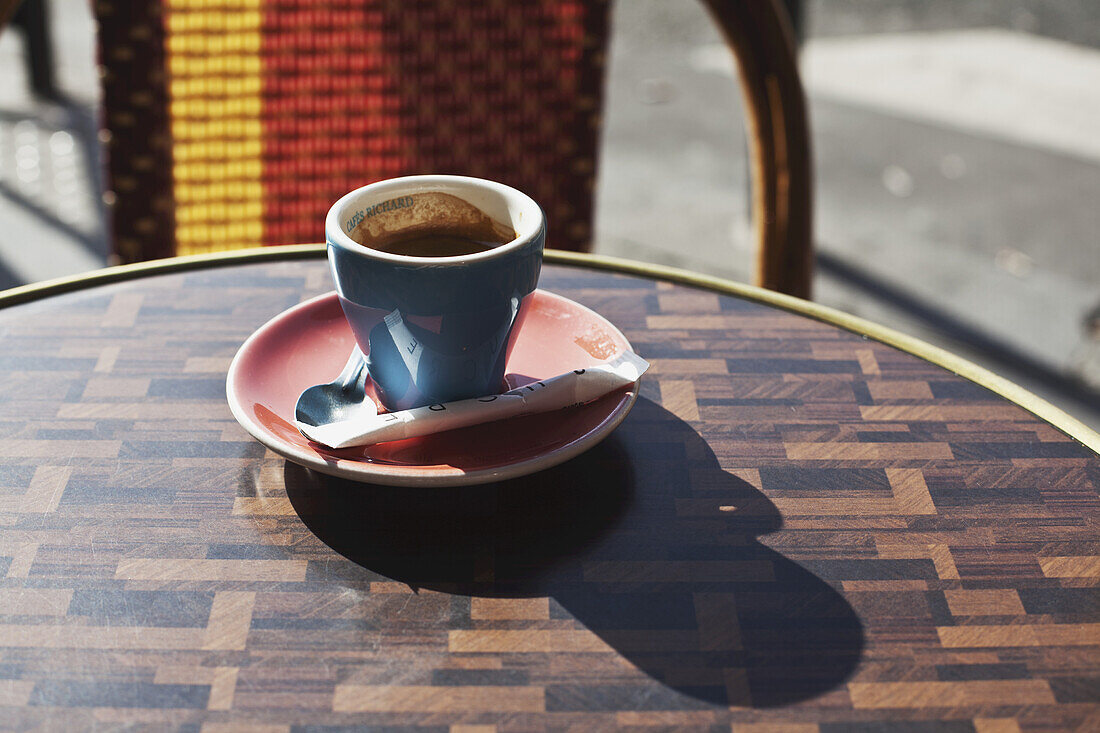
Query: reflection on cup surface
(411, 365)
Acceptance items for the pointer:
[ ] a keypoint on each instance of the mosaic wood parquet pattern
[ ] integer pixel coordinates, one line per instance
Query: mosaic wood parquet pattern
(795, 526)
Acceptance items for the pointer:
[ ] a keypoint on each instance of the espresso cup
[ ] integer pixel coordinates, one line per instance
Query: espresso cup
(433, 274)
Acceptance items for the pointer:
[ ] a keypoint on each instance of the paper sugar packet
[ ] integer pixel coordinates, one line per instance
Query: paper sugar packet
(566, 390)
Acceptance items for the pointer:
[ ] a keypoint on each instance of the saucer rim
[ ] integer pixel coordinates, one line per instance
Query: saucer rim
(391, 475)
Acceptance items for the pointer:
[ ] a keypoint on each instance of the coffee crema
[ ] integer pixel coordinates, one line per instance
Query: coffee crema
(429, 224)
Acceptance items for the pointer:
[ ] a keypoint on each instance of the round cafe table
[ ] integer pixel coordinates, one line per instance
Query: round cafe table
(800, 526)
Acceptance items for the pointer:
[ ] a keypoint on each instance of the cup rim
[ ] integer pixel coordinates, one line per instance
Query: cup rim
(336, 236)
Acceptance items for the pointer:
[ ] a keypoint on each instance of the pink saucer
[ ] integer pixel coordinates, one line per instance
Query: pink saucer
(309, 343)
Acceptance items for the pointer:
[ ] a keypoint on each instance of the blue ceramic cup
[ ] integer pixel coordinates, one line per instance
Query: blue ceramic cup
(434, 327)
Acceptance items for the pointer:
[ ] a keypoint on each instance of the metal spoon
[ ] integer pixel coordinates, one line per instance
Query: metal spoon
(344, 398)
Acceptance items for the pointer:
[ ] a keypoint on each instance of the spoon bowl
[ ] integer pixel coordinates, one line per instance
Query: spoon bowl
(344, 398)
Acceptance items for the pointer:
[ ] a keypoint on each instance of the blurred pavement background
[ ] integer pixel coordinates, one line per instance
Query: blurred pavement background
(957, 166)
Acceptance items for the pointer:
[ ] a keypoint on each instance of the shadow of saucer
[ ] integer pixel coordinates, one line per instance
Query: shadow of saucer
(644, 540)
(492, 540)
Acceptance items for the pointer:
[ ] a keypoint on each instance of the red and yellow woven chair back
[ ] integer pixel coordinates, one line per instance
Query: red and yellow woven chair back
(236, 123)
(276, 109)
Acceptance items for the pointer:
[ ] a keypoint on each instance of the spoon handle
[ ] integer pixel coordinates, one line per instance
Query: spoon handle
(350, 375)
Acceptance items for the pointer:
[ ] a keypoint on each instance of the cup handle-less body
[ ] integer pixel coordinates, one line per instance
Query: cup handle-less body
(436, 329)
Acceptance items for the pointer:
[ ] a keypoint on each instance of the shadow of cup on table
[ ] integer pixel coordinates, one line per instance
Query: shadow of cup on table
(644, 540)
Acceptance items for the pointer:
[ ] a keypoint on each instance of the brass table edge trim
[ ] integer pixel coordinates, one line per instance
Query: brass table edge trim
(1012, 392)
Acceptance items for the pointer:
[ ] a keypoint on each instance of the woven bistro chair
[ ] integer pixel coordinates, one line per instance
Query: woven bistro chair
(234, 123)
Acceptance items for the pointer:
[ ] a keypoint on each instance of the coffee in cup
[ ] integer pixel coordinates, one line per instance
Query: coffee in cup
(434, 224)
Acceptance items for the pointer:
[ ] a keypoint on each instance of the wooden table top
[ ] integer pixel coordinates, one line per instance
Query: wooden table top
(796, 525)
